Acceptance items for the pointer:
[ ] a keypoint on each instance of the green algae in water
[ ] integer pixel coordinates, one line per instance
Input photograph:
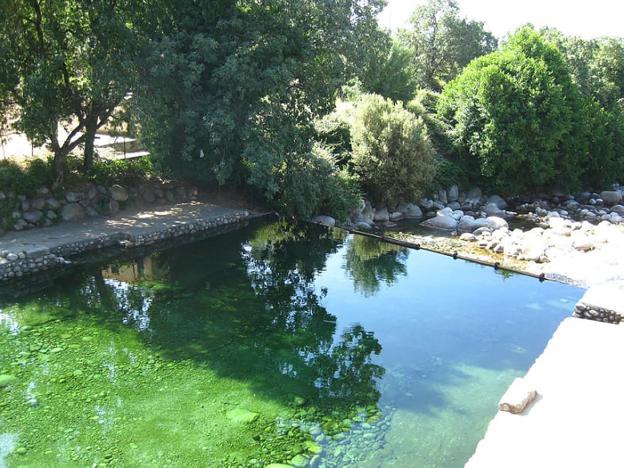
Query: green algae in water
(277, 344)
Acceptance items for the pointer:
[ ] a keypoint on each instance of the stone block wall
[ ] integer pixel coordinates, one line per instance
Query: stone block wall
(45, 207)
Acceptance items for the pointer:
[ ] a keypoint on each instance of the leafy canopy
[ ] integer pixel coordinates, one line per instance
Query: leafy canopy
(518, 113)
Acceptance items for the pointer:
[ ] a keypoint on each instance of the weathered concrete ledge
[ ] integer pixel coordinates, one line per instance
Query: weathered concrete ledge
(576, 420)
(38, 250)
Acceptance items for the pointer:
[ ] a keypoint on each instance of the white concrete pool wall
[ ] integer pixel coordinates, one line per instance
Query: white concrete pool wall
(577, 419)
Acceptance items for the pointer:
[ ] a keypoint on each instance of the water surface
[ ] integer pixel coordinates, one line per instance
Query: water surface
(277, 343)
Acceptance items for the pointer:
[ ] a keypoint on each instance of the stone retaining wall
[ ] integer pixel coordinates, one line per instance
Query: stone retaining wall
(16, 265)
(598, 314)
(47, 207)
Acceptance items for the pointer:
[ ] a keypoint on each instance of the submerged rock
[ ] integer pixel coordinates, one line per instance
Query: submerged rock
(241, 415)
(7, 379)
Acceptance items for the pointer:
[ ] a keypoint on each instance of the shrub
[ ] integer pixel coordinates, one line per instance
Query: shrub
(518, 115)
(334, 131)
(313, 184)
(392, 153)
(605, 163)
(121, 171)
(425, 105)
(26, 178)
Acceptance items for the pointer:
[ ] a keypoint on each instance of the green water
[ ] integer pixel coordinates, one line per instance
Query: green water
(276, 343)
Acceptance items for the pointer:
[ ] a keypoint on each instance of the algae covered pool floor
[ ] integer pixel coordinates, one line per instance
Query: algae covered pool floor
(277, 343)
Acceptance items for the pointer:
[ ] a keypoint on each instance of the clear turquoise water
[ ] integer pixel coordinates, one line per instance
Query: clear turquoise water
(276, 343)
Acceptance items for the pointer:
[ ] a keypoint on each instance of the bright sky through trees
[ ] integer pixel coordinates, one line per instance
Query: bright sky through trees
(584, 18)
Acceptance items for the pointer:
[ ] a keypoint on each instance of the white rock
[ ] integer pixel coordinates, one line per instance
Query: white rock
(118, 193)
(396, 216)
(533, 250)
(611, 197)
(474, 196)
(619, 209)
(453, 193)
(426, 203)
(494, 222)
(442, 196)
(467, 224)
(323, 219)
(583, 244)
(413, 211)
(492, 209)
(381, 215)
(72, 212)
(467, 237)
(498, 201)
(445, 222)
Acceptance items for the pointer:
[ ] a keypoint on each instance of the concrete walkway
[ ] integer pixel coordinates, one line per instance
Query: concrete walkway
(134, 223)
(577, 419)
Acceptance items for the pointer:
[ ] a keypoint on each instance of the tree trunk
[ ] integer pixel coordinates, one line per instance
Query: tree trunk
(89, 150)
(60, 155)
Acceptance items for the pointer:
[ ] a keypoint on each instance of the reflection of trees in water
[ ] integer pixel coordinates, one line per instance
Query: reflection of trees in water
(246, 306)
(370, 262)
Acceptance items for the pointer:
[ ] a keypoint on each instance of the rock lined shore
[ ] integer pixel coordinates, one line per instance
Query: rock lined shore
(38, 250)
(576, 238)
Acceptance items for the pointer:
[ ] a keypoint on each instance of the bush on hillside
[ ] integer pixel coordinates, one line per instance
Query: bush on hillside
(392, 154)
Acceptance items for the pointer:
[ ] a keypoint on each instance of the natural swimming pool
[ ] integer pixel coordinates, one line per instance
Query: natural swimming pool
(276, 343)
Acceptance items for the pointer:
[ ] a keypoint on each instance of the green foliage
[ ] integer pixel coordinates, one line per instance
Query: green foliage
(25, 179)
(392, 153)
(425, 105)
(313, 184)
(334, 131)
(231, 96)
(121, 171)
(519, 115)
(391, 75)
(449, 172)
(605, 163)
(65, 62)
(442, 43)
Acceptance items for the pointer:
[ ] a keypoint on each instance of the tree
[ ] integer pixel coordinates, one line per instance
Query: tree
(68, 64)
(231, 89)
(518, 114)
(442, 43)
(392, 154)
(597, 67)
(390, 73)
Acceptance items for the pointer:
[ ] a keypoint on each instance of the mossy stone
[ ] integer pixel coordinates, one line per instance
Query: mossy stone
(299, 460)
(7, 379)
(312, 447)
(241, 415)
